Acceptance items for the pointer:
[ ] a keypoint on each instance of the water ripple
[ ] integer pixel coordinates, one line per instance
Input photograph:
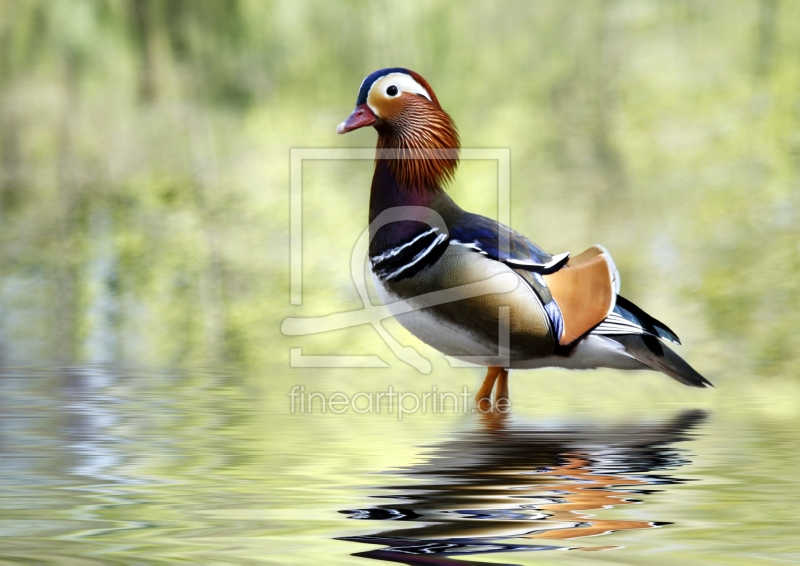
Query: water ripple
(507, 484)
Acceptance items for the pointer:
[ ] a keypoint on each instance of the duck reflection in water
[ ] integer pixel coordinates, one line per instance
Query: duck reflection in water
(508, 485)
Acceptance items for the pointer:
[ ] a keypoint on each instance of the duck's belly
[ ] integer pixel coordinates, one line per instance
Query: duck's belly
(467, 325)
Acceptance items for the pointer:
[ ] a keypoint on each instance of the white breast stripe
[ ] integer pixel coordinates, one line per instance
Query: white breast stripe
(439, 239)
(394, 251)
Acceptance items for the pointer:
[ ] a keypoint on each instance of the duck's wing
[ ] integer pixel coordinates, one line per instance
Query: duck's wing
(585, 290)
(578, 293)
(497, 242)
(500, 243)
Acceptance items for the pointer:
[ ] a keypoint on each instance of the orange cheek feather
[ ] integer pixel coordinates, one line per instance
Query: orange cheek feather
(386, 108)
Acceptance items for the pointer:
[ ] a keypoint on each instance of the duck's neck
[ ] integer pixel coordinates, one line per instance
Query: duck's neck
(387, 194)
(416, 156)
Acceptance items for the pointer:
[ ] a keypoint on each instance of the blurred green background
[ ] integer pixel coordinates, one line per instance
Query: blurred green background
(144, 164)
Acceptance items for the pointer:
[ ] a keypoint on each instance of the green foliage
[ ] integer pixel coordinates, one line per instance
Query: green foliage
(144, 162)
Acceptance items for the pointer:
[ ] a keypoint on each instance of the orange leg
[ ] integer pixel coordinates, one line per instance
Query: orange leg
(484, 396)
(501, 391)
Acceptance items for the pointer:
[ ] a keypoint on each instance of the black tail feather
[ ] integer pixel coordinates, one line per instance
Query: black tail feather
(653, 353)
(649, 323)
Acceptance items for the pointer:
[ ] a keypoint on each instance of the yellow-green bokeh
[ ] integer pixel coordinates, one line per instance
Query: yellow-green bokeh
(144, 164)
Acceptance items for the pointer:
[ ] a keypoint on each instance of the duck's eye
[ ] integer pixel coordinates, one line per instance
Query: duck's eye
(392, 90)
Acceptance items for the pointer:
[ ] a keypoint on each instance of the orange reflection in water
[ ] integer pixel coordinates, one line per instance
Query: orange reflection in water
(494, 488)
(595, 491)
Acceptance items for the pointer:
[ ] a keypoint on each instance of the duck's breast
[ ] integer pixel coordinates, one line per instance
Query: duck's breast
(467, 323)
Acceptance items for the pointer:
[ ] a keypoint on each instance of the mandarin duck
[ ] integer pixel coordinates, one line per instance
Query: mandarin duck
(560, 310)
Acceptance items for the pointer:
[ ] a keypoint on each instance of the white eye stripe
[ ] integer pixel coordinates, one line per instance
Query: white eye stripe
(403, 82)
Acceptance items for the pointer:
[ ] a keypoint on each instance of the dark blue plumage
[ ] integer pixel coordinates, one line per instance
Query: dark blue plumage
(496, 241)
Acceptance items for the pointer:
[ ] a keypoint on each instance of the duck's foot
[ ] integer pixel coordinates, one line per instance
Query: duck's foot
(497, 379)
(502, 400)
(484, 396)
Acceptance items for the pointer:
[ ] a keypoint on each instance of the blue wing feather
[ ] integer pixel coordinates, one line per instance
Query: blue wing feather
(499, 242)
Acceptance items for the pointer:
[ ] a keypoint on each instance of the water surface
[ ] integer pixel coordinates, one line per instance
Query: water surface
(104, 464)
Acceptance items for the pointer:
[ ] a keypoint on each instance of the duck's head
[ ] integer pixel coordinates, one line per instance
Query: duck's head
(386, 96)
(403, 108)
